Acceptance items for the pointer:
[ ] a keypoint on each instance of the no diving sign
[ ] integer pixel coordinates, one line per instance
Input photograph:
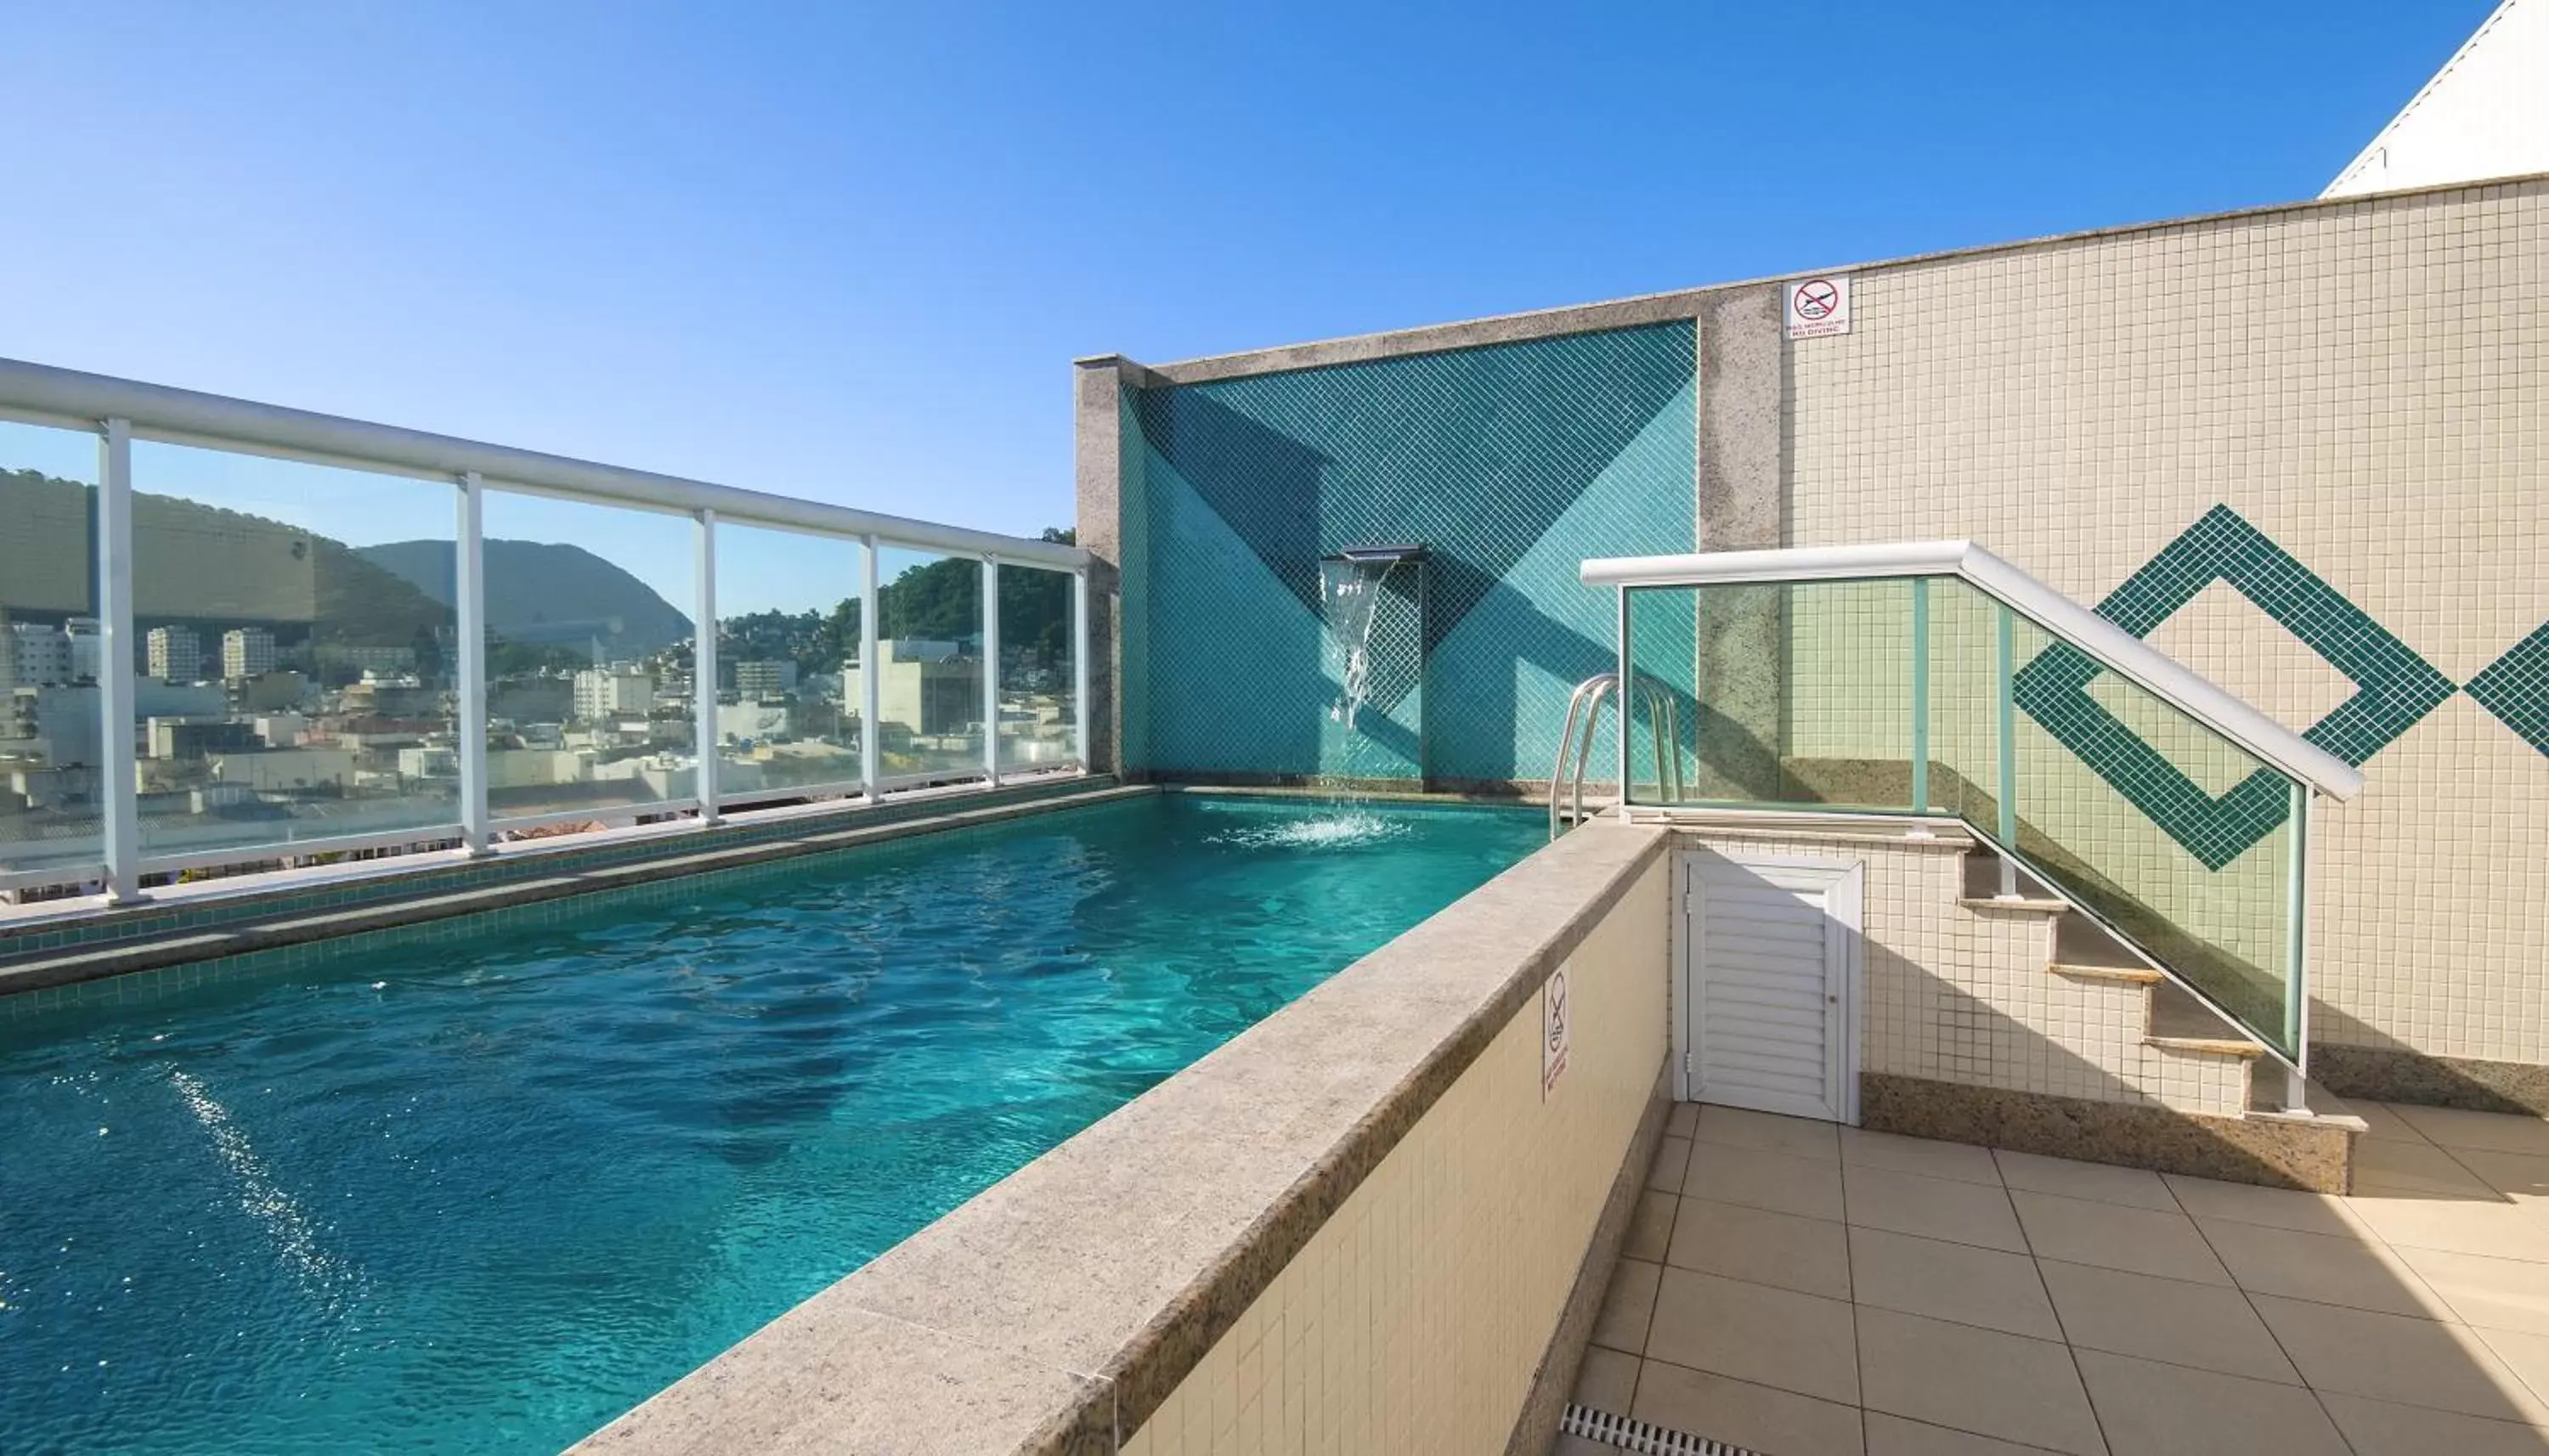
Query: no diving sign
(1817, 307)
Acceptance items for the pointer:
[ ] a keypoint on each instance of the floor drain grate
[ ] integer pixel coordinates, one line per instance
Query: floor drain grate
(1642, 1436)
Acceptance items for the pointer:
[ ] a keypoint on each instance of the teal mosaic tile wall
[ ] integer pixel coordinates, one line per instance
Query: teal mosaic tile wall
(2395, 688)
(1511, 461)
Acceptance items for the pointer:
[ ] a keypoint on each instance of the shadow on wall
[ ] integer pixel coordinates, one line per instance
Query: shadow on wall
(1511, 462)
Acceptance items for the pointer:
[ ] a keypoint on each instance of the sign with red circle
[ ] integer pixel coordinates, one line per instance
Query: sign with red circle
(1818, 307)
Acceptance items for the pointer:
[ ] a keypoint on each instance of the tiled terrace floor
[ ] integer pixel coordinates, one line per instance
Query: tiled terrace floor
(1797, 1288)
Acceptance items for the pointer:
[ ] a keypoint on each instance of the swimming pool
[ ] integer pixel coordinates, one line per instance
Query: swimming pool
(482, 1195)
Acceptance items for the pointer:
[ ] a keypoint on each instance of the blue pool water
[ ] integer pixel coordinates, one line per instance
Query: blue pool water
(482, 1196)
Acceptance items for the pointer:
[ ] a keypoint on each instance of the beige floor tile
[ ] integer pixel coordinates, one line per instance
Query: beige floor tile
(2147, 1409)
(1683, 1121)
(2501, 1294)
(1739, 1412)
(1651, 1227)
(1982, 1381)
(1770, 1336)
(1892, 1435)
(1932, 1208)
(2100, 1182)
(1568, 1445)
(1809, 1255)
(2205, 1325)
(2518, 1176)
(1950, 1281)
(1607, 1380)
(1926, 1156)
(2393, 1357)
(2417, 1168)
(2272, 1207)
(1672, 1163)
(1765, 1180)
(2528, 1356)
(2453, 1224)
(1737, 1127)
(2387, 1428)
(1627, 1307)
(2383, 1124)
(2358, 1272)
(2484, 1131)
(2114, 1237)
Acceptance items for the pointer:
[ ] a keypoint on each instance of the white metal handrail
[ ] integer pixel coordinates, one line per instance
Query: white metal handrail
(2292, 755)
(1585, 710)
(40, 394)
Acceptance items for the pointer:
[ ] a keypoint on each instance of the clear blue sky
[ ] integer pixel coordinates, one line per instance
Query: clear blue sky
(849, 252)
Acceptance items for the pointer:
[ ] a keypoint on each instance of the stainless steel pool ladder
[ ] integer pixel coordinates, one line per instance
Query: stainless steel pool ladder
(1585, 710)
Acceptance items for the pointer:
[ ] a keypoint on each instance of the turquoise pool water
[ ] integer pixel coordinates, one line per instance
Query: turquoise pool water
(482, 1196)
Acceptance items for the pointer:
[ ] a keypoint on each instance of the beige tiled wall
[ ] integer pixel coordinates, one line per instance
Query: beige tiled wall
(2367, 383)
(1958, 995)
(1413, 1321)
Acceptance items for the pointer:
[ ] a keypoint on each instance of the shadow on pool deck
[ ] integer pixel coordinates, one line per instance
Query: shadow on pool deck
(1797, 1288)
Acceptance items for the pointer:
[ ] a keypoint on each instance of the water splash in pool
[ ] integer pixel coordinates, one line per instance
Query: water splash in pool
(1343, 829)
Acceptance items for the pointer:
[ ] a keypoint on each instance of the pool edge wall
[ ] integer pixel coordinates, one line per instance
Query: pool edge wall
(1361, 1223)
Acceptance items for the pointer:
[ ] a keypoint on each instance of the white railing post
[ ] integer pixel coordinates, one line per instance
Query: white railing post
(469, 601)
(704, 672)
(117, 639)
(2297, 953)
(871, 674)
(1080, 669)
(991, 670)
(2005, 668)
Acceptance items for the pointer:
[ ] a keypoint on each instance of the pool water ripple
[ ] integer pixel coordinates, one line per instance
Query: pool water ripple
(481, 1195)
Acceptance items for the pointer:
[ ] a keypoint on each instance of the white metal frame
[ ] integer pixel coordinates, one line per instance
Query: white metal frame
(2297, 756)
(1844, 889)
(121, 410)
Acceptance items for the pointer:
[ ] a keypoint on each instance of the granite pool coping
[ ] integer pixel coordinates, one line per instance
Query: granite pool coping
(1057, 1310)
(287, 921)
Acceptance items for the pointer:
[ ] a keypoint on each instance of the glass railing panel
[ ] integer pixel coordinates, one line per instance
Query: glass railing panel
(588, 658)
(2158, 825)
(788, 646)
(294, 647)
(1964, 721)
(1777, 693)
(1037, 693)
(51, 788)
(929, 674)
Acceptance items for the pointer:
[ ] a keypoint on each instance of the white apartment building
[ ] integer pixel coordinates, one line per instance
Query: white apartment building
(606, 692)
(175, 654)
(247, 652)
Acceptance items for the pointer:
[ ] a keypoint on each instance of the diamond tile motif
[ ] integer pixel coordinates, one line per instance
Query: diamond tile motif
(2515, 687)
(2394, 687)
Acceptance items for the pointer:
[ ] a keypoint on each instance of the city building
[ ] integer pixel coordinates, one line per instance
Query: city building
(603, 692)
(761, 680)
(175, 654)
(247, 652)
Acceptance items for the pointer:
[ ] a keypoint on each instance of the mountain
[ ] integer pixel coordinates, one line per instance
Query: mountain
(206, 567)
(545, 592)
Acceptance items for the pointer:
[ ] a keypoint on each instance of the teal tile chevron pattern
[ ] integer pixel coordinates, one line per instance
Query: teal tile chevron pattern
(2394, 687)
(2515, 687)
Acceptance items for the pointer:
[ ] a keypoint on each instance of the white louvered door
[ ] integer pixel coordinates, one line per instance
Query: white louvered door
(1772, 970)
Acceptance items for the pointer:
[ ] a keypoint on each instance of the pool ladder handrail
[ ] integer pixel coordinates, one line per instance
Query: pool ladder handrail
(1584, 709)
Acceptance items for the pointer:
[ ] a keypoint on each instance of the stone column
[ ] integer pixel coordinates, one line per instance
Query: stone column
(1099, 449)
(1742, 672)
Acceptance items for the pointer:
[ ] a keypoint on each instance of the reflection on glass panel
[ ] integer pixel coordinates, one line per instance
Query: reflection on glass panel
(295, 652)
(51, 744)
(2165, 829)
(929, 676)
(788, 646)
(1037, 700)
(588, 658)
(1791, 693)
